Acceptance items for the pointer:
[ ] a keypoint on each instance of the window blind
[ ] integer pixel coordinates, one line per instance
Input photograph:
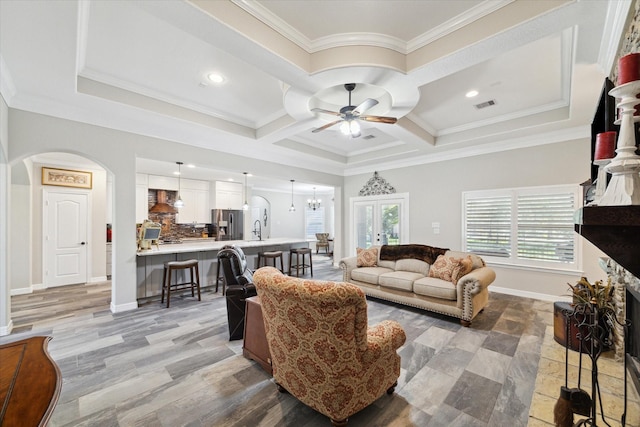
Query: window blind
(526, 226)
(488, 226)
(314, 222)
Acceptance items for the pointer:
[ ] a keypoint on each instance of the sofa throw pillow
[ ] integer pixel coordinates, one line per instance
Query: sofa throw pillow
(367, 257)
(450, 269)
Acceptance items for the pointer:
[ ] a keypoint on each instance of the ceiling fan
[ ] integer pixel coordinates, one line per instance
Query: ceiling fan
(349, 115)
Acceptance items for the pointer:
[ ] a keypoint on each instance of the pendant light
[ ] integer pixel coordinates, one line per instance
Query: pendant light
(314, 203)
(179, 203)
(292, 208)
(245, 206)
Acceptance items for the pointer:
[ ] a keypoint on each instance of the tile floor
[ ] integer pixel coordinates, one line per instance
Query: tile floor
(175, 367)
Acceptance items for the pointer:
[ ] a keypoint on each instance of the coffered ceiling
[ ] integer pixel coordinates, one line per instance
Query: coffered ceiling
(143, 67)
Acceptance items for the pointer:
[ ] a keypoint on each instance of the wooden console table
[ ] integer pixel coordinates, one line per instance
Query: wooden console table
(30, 383)
(255, 345)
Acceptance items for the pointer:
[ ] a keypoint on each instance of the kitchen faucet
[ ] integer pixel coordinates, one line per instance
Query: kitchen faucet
(257, 231)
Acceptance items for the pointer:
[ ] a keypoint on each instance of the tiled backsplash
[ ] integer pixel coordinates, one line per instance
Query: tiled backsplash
(171, 230)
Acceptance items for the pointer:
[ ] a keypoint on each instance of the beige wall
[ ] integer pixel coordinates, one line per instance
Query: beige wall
(436, 196)
(97, 227)
(116, 151)
(5, 302)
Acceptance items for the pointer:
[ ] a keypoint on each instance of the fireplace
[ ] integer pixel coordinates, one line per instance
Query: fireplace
(616, 231)
(632, 347)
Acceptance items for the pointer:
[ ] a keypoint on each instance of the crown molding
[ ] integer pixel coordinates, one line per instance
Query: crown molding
(613, 33)
(264, 15)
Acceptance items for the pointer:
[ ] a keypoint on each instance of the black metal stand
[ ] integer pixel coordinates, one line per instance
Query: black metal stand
(593, 336)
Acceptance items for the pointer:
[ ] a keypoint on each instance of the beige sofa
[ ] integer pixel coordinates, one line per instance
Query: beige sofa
(406, 281)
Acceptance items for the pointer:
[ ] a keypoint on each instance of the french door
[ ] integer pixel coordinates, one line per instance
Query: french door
(379, 220)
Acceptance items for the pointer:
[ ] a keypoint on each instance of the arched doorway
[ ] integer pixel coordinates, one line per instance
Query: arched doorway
(28, 212)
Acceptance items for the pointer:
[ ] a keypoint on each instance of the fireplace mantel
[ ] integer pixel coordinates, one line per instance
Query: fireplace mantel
(615, 230)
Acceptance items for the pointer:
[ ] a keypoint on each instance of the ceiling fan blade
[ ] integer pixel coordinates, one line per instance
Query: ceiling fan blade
(365, 105)
(321, 110)
(328, 125)
(379, 119)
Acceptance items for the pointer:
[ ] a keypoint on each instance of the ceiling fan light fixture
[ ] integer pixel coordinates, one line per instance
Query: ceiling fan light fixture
(350, 128)
(344, 128)
(354, 127)
(350, 115)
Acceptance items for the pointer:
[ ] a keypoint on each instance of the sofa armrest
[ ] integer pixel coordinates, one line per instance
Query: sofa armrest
(347, 265)
(385, 337)
(481, 278)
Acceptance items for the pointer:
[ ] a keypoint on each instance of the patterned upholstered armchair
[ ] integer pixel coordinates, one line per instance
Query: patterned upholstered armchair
(322, 242)
(322, 350)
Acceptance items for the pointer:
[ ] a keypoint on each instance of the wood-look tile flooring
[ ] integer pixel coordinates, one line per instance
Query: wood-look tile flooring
(175, 367)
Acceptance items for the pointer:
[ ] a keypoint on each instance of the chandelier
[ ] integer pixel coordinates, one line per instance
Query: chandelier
(314, 203)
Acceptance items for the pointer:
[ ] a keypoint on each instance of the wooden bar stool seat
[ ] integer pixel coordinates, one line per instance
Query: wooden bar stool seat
(273, 255)
(193, 284)
(298, 265)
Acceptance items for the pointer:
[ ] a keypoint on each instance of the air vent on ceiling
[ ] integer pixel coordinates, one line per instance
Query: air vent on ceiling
(485, 104)
(368, 137)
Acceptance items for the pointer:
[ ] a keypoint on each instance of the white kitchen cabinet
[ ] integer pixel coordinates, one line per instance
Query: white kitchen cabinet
(228, 195)
(195, 195)
(142, 198)
(157, 182)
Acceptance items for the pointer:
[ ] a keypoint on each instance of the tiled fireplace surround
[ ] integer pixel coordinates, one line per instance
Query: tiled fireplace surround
(626, 285)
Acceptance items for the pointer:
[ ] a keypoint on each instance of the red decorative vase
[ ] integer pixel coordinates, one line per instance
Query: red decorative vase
(629, 68)
(605, 145)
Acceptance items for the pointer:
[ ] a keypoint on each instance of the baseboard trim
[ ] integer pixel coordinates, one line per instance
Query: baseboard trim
(6, 330)
(527, 294)
(123, 307)
(99, 279)
(21, 291)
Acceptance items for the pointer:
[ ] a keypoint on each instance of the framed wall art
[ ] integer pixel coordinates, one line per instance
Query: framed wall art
(66, 178)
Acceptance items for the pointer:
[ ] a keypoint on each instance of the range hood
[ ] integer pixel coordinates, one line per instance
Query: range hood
(162, 206)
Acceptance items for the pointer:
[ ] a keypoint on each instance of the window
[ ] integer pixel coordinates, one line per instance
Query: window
(314, 222)
(523, 226)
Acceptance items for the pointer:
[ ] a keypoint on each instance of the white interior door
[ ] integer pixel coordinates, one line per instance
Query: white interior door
(379, 220)
(65, 231)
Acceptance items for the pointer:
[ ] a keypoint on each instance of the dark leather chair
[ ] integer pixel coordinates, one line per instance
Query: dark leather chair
(238, 280)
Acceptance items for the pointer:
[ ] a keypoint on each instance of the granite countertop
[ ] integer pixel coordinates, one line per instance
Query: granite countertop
(200, 245)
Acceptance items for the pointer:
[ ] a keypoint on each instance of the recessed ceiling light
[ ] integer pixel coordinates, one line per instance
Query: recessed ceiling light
(471, 93)
(190, 165)
(215, 78)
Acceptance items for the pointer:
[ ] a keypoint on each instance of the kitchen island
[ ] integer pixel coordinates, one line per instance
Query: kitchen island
(150, 263)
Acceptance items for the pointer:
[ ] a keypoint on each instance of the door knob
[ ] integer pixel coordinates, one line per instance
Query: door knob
(82, 243)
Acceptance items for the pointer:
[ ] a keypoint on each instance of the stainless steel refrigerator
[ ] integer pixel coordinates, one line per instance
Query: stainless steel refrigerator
(229, 223)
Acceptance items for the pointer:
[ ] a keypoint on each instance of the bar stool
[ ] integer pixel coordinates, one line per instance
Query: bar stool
(274, 255)
(297, 252)
(169, 267)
